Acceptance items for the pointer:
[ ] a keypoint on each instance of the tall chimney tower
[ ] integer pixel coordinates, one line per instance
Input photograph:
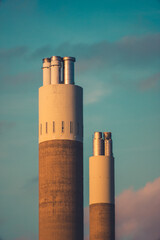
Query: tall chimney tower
(101, 188)
(60, 152)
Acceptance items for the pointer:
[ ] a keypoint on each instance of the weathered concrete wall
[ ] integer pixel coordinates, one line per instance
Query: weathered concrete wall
(102, 221)
(61, 190)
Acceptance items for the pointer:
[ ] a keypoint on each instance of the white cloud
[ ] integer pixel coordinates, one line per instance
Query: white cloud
(95, 92)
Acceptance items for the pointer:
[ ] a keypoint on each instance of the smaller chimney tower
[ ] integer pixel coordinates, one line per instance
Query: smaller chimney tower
(101, 188)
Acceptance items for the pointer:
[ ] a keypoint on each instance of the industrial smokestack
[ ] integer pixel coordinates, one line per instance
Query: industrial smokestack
(56, 65)
(101, 189)
(46, 71)
(61, 156)
(68, 70)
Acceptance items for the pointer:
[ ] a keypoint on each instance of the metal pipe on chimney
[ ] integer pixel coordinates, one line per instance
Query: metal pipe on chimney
(56, 64)
(46, 71)
(98, 144)
(107, 144)
(68, 70)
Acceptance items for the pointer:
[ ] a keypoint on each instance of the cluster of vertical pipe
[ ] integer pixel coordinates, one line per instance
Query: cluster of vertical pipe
(102, 146)
(57, 70)
(101, 192)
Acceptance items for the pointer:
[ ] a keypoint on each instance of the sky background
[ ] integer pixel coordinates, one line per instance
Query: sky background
(117, 47)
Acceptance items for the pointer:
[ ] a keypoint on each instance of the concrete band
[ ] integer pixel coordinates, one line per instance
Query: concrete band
(101, 179)
(102, 221)
(60, 112)
(61, 190)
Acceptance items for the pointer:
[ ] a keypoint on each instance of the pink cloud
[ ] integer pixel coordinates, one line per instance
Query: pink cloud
(26, 238)
(138, 213)
(86, 238)
(23, 238)
(86, 223)
(151, 82)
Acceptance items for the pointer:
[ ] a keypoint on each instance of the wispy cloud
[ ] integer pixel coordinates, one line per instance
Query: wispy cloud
(128, 51)
(95, 94)
(10, 59)
(129, 55)
(27, 238)
(6, 126)
(42, 52)
(12, 53)
(23, 238)
(140, 83)
(149, 83)
(86, 238)
(31, 182)
(23, 77)
(86, 222)
(19, 5)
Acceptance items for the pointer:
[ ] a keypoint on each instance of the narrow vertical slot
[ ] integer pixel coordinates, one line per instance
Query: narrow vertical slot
(62, 126)
(71, 127)
(41, 129)
(53, 126)
(46, 127)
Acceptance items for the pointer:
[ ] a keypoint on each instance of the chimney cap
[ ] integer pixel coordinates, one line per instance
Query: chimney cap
(98, 135)
(107, 135)
(46, 60)
(56, 58)
(69, 58)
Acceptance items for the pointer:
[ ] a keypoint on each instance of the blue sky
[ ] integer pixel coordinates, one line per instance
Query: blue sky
(117, 47)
